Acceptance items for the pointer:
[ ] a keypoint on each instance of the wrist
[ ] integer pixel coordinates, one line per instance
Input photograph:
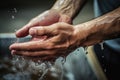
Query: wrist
(63, 17)
(81, 32)
(68, 7)
(88, 33)
(63, 11)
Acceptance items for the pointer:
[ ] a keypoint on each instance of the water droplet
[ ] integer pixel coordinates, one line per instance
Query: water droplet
(15, 30)
(15, 10)
(103, 56)
(13, 17)
(36, 64)
(104, 70)
(61, 2)
(17, 39)
(62, 59)
(102, 45)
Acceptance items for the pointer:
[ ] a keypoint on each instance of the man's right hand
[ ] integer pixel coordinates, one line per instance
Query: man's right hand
(46, 18)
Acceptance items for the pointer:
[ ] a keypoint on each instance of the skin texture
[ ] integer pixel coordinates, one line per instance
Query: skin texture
(53, 32)
(46, 18)
(103, 28)
(62, 38)
(69, 7)
(62, 11)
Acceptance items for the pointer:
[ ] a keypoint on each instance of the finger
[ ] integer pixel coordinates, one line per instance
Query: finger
(25, 30)
(45, 19)
(43, 53)
(36, 44)
(40, 31)
(32, 45)
(40, 38)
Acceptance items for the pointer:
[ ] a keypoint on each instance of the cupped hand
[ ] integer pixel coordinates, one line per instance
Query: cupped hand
(46, 18)
(61, 40)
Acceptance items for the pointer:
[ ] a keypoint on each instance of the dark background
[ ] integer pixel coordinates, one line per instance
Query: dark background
(11, 20)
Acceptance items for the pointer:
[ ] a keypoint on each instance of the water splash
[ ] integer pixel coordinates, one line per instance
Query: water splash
(63, 60)
(39, 67)
(45, 72)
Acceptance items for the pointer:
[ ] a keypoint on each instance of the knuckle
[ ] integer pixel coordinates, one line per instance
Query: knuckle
(50, 46)
(25, 53)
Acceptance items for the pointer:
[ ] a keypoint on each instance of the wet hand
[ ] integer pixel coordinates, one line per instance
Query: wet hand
(46, 18)
(61, 40)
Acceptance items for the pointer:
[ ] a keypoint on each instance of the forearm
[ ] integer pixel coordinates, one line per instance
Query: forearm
(68, 7)
(102, 28)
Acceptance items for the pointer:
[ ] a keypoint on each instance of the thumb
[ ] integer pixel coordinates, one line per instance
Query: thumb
(40, 31)
(24, 30)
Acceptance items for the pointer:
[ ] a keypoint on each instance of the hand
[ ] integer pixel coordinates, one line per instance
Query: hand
(61, 40)
(46, 18)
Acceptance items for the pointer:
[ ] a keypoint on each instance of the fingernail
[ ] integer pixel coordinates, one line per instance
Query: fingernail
(32, 31)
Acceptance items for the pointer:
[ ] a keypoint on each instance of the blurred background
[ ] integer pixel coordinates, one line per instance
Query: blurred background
(14, 14)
